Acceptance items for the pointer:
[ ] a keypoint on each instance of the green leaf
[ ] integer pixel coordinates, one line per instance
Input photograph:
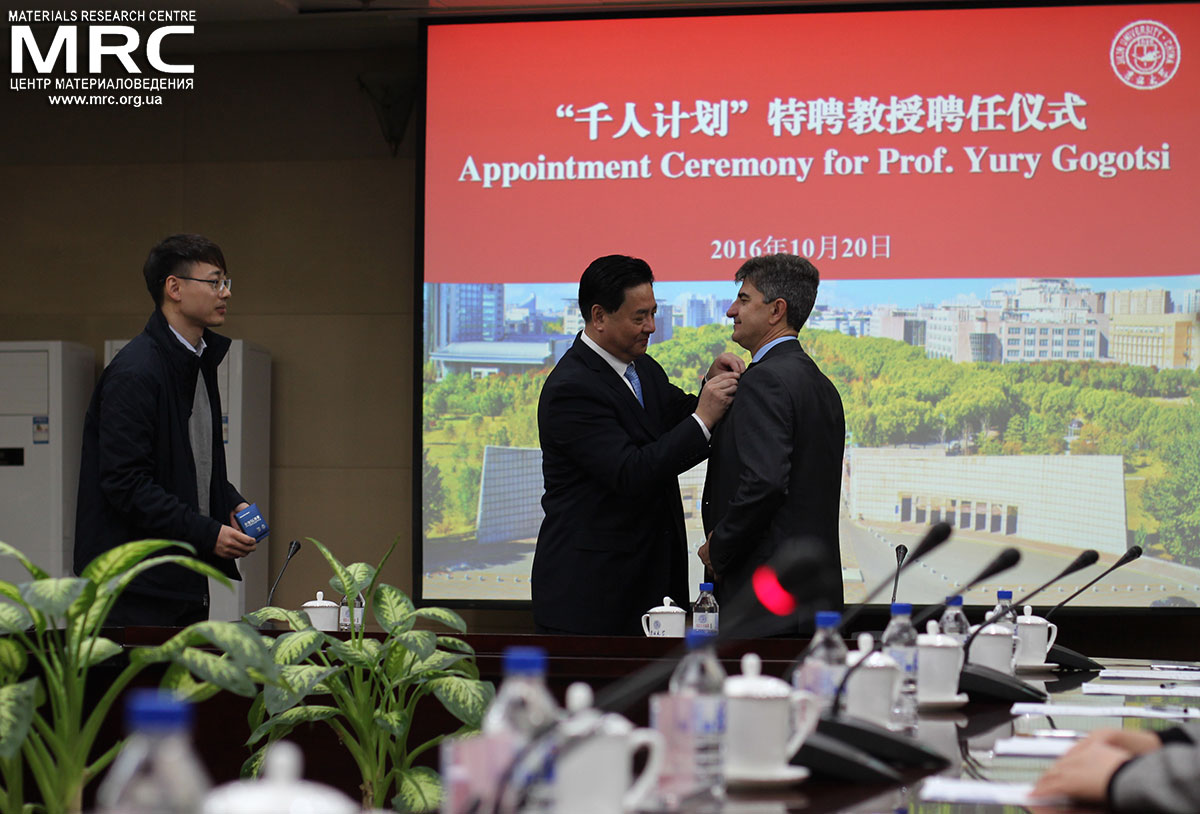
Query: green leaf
(395, 723)
(301, 680)
(396, 662)
(240, 641)
(340, 574)
(121, 582)
(8, 551)
(392, 608)
(17, 703)
(53, 595)
(253, 765)
(82, 606)
(298, 620)
(438, 660)
(185, 687)
(421, 643)
(444, 615)
(360, 576)
(13, 658)
(451, 643)
(9, 590)
(115, 561)
(465, 698)
(288, 719)
(218, 670)
(100, 649)
(295, 647)
(13, 618)
(364, 653)
(418, 790)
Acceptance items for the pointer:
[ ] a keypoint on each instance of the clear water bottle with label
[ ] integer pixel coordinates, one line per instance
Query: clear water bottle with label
(705, 610)
(351, 619)
(900, 643)
(691, 719)
(825, 665)
(954, 621)
(522, 709)
(156, 771)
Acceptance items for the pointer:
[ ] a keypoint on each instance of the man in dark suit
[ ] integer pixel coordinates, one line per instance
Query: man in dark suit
(774, 474)
(615, 434)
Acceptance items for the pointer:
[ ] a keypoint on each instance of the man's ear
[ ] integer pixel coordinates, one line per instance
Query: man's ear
(598, 316)
(172, 289)
(778, 311)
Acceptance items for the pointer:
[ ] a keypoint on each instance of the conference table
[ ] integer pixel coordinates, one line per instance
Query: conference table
(972, 738)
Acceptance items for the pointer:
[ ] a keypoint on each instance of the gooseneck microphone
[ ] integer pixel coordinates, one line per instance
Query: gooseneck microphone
(1128, 557)
(1065, 656)
(1003, 561)
(938, 533)
(901, 553)
(1085, 559)
(293, 547)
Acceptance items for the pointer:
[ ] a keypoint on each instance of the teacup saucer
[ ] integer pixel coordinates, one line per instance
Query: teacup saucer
(775, 778)
(1044, 667)
(953, 702)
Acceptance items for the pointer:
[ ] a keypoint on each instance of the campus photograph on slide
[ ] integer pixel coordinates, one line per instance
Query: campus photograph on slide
(1004, 230)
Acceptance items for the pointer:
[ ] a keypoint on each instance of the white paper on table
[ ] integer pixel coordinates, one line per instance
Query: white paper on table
(1088, 711)
(1191, 668)
(1153, 675)
(961, 790)
(1033, 747)
(1166, 688)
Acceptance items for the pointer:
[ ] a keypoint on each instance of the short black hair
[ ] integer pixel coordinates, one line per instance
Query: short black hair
(174, 252)
(784, 276)
(606, 279)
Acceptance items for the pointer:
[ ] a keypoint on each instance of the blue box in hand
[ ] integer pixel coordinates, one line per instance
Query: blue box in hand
(253, 523)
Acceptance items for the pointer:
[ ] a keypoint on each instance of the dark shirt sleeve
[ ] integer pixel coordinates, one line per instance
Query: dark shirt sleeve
(590, 433)
(126, 450)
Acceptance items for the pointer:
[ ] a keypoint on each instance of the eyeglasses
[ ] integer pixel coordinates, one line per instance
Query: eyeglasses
(225, 282)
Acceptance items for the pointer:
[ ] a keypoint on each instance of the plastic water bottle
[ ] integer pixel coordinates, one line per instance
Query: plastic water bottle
(825, 665)
(695, 735)
(1004, 603)
(954, 621)
(347, 621)
(900, 643)
(705, 610)
(523, 707)
(156, 772)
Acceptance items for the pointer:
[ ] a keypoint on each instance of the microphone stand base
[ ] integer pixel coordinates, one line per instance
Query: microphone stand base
(985, 684)
(880, 742)
(1071, 659)
(832, 758)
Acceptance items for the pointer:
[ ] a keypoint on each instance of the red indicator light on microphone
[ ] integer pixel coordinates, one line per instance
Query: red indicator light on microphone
(770, 593)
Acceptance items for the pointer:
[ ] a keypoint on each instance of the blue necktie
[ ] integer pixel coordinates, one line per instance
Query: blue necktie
(631, 374)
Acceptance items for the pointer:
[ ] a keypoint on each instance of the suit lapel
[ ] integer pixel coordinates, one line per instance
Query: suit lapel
(623, 393)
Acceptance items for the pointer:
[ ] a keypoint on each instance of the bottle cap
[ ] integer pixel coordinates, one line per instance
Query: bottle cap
(828, 618)
(1004, 594)
(954, 601)
(156, 711)
(901, 609)
(524, 661)
(706, 586)
(695, 639)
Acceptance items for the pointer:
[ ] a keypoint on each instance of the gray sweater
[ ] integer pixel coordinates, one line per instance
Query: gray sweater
(1166, 781)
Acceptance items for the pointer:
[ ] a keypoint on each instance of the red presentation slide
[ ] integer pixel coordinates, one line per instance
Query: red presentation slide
(904, 144)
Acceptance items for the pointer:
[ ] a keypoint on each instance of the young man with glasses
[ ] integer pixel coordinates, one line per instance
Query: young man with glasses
(153, 460)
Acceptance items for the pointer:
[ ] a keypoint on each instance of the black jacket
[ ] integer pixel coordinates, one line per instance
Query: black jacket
(775, 474)
(137, 476)
(612, 544)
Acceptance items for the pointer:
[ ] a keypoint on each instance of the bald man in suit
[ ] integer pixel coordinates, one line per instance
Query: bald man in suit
(615, 434)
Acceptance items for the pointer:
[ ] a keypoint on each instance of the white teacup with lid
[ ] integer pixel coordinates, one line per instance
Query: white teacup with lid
(321, 612)
(941, 660)
(280, 791)
(668, 620)
(993, 647)
(1035, 637)
(766, 722)
(594, 774)
(872, 689)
